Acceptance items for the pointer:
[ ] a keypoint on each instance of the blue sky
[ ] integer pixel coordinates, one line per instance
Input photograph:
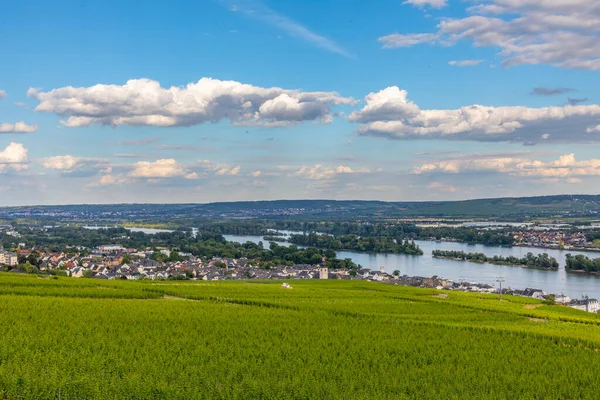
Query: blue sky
(413, 100)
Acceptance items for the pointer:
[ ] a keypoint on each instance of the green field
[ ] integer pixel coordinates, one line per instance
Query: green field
(83, 339)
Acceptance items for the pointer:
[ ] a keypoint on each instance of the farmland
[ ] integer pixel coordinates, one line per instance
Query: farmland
(77, 338)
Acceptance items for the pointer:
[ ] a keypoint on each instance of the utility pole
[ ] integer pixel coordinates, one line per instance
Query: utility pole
(500, 280)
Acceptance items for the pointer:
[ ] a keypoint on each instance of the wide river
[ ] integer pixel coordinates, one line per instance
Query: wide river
(571, 284)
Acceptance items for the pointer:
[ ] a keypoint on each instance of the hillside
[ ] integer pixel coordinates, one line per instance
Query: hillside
(77, 338)
(508, 208)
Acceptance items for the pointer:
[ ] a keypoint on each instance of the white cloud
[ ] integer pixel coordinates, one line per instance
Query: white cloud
(390, 114)
(388, 104)
(430, 3)
(563, 33)
(192, 175)
(593, 129)
(3, 94)
(219, 169)
(107, 180)
(19, 127)
(465, 63)
(164, 168)
(14, 153)
(13, 157)
(68, 163)
(143, 102)
(321, 172)
(566, 166)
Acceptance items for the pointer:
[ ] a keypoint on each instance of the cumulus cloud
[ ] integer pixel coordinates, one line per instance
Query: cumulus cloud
(3, 94)
(13, 157)
(321, 172)
(107, 180)
(69, 164)
(390, 114)
(143, 102)
(563, 33)
(465, 63)
(163, 168)
(19, 127)
(566, 166)
(14, 153)
(427, 3)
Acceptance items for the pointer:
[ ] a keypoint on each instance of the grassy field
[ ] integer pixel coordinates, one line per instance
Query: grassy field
(84, 339)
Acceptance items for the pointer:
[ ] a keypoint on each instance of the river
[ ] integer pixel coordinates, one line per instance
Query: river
(148, 231)
(571, 284)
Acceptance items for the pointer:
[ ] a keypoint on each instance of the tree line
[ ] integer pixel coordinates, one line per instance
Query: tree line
(543, 261)
(357, 243)
(582, 263)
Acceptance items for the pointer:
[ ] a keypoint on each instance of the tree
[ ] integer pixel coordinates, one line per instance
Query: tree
(396, 272)
(126, 259)
(28, 268)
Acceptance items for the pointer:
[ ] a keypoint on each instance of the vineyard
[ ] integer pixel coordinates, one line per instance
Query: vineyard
(80, 338)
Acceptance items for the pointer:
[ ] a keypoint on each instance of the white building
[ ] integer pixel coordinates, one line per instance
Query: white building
(562, 299)
(111, 247)
(324, 273)
(589, 305)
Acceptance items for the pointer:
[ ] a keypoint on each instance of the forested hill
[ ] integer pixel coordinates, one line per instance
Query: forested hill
(515, 208)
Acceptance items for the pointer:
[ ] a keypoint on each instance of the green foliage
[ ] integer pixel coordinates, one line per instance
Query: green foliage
(357, 243)
(26, 268)
(205, 245)
(126, 259)
(72, 338)
(582, 263)
(543, 261)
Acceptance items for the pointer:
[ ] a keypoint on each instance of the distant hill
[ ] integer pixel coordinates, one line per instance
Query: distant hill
(513, 208)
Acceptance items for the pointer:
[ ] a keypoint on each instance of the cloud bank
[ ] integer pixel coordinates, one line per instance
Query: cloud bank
(143, 102)
(388, 113)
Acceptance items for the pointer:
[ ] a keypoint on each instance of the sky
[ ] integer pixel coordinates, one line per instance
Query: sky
(226, 100)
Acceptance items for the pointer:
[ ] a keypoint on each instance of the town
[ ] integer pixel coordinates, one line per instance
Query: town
(114, 261)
